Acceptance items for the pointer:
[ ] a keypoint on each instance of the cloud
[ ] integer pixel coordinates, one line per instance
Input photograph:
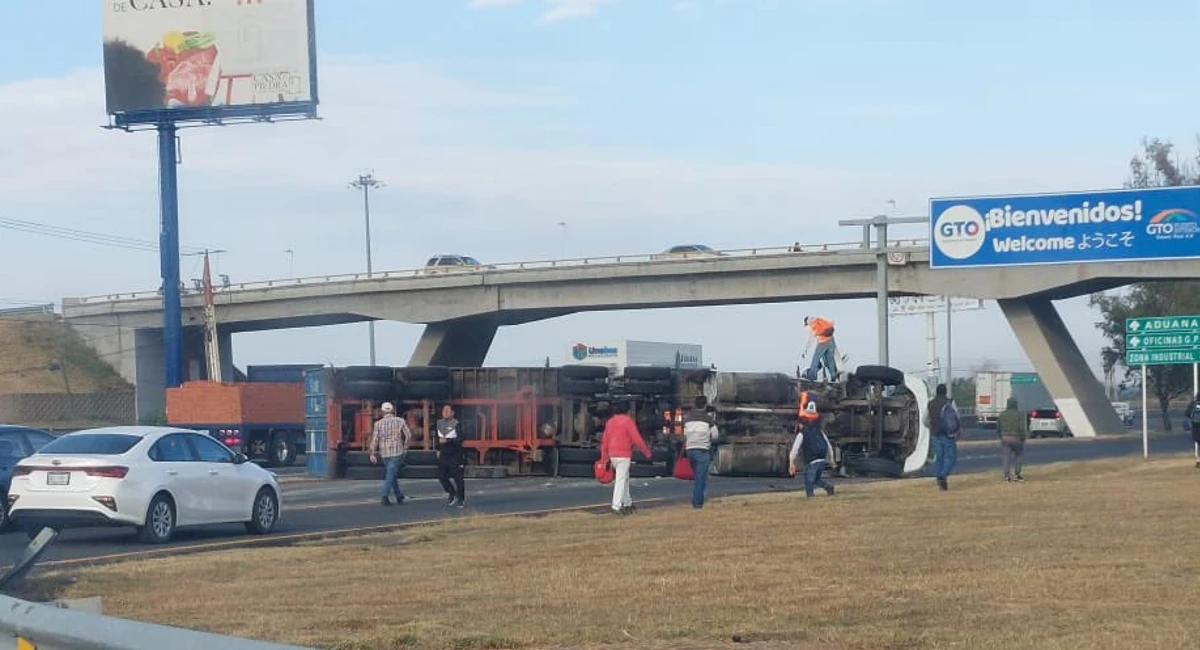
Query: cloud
(487, 4)
(468, 170)
(572, 9)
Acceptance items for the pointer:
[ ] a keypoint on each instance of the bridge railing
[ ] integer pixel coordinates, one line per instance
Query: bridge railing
(898, 245)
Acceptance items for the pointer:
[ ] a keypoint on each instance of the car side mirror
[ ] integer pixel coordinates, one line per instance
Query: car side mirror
(240, 459)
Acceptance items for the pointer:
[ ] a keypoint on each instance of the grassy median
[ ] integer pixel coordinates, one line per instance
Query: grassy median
(1102, 555)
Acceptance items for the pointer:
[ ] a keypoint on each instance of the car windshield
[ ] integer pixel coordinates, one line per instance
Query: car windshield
(471, 261)
(102, 444)
(1045, 414)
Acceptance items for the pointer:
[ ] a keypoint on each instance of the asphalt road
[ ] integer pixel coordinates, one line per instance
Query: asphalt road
(318, 506)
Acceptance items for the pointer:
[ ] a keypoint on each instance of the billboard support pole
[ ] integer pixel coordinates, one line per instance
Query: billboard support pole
(949, 346)
(168, 248)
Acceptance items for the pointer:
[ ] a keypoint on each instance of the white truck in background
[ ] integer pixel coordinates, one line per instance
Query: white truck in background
(992, 390)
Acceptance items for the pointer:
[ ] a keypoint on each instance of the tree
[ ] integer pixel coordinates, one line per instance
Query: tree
(1156, 166)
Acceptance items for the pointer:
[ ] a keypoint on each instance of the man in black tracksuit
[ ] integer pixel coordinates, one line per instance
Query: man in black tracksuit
(452, 460)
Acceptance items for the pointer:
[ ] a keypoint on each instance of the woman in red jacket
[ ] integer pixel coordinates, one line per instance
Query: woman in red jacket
(616, 446)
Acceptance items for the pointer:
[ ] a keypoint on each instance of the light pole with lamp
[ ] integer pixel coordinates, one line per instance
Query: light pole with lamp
(291, 257)
(562, 252)
(367, 182)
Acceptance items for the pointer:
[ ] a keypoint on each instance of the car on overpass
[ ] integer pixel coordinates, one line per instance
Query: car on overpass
(16, 442)
(687, 251)
(453, 264)
(155, 479)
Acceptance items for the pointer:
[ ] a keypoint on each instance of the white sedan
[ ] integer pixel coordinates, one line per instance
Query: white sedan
(156, 479)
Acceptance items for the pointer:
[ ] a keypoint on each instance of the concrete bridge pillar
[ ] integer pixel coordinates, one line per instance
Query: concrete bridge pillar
(462, 342)
(1058, 361)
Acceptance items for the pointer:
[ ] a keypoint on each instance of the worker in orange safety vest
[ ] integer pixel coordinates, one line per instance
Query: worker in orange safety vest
(821, 330)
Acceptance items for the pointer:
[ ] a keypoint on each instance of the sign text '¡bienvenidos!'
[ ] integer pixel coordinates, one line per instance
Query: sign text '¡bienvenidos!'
(1085, 214)
(960, 230)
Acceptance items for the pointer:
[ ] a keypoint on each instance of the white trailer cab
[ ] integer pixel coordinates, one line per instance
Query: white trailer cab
(992, 390)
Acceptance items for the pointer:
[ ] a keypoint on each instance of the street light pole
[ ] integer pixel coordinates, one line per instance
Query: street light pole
(562, 253)
(291, 267)
(367, 182)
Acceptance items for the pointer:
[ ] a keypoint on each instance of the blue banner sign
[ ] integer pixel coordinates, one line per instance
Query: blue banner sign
(1111, 226)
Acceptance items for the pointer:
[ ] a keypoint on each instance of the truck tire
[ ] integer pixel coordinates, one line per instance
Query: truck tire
(874, 467)
(576, 470)
(648, 471)
(885, 375)
(434, 390)
(649, 387)
(367, 373)
(582, 387)
(421, 458)
(371, 390)
(281, 453)
(573, 455)
(649, 373)
(424, 373)
(583, 372)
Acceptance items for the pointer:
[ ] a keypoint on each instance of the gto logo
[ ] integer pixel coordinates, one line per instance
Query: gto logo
(959, 232)
(1173, 224)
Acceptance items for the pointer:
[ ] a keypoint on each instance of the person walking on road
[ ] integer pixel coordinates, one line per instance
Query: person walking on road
(825, 355)
(452, 459)
(699, 432)
(812, 447)
(620, 436)
(389, 442)
(1012, 428)
(1192, 415)
(941, 417)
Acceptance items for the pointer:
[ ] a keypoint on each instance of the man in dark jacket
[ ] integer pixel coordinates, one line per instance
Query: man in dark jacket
(945, 443)
(452, 460)
(1012, 427)
(1192, 416)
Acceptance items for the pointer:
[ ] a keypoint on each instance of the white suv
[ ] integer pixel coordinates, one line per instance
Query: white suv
(1044, 423)
(453, 264)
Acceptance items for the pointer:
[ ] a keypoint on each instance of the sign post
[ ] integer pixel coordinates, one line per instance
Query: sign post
(1160, 341)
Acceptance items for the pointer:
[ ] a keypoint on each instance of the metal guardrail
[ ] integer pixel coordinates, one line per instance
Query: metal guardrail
(45, 627)
(898, 245)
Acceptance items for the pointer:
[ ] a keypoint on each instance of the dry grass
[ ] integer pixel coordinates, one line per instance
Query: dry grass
(29, 346)
(1101, 556)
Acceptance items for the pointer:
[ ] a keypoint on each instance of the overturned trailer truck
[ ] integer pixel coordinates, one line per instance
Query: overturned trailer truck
(548, 421)
(873, 420)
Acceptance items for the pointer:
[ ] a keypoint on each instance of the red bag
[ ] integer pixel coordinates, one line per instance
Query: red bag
(604, 471)
(683, 469)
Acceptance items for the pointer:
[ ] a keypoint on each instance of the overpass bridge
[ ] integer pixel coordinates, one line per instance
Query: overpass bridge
(462, 311)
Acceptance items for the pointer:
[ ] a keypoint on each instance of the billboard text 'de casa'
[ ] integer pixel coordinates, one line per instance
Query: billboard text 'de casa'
(164, 55)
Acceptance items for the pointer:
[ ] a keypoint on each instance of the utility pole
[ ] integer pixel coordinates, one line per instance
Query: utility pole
(212, 344)
(367, 182)
(880, 223)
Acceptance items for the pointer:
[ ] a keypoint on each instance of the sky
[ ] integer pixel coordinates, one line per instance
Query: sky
(638, 123)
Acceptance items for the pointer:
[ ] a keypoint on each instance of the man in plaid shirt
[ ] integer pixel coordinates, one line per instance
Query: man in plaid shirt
(390, 438)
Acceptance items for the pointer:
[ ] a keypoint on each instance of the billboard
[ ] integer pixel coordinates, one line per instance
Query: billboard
(908, 305)
(206, 59)
(1108, 226)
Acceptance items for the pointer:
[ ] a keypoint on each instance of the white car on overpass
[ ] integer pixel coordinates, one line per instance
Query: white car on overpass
(156, 479)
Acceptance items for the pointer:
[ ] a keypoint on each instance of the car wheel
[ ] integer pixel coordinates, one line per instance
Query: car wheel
(264, 513)
(281, 454)
(160, 521)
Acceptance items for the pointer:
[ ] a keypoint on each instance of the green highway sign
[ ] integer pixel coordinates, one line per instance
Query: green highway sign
(1163, 325)
(1162, 340)
(1161, 357)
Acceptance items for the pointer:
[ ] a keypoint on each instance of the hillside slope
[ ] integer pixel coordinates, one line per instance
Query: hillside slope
(44, 356)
